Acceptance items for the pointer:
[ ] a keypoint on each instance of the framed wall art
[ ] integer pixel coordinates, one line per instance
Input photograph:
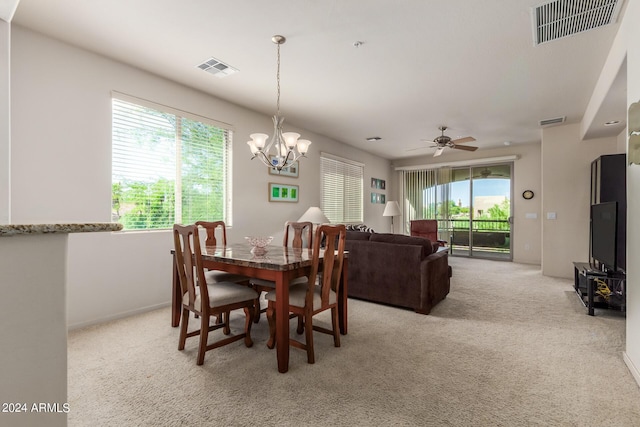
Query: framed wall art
(290, 171)
(377, 198)
(380, 184)
(283, 192)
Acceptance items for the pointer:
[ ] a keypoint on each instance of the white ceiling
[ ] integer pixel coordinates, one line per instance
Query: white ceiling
(470, 65)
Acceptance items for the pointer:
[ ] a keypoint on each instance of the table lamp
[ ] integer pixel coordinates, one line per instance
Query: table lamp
(391, 209)
(314, 215)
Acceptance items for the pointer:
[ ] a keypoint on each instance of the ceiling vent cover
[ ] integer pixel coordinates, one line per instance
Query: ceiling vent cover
(561, 18)
(554, 121)
(217, 68)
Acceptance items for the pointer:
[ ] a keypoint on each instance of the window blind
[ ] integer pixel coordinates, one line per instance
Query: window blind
(167, 168)
(341, 189)
(426, 194)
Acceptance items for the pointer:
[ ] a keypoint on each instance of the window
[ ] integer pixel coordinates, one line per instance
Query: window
(341, 189)
(167, 166)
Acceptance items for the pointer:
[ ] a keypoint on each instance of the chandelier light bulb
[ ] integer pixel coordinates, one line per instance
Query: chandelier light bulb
(259, 139)
(253, 148)
(303, 146)
(291, 139)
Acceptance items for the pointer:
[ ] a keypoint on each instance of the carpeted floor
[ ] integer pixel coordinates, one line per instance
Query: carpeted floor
(507, 347)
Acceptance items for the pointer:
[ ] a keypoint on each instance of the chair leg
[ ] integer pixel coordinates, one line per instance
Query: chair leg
(183, 329)
(300, 328)
(225, 318)
(257, 308)
(336, 331)
(204, 335)
(249, 312)
(308, 328)
(271, 318)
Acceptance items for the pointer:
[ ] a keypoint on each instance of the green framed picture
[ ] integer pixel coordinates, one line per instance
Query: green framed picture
(283, 192)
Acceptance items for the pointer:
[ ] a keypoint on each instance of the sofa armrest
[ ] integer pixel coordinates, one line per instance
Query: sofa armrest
(435, 282)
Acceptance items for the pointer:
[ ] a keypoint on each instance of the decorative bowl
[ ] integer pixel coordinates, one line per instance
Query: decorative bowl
(259, 242)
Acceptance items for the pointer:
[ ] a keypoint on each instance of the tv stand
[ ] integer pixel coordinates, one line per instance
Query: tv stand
(613, 284)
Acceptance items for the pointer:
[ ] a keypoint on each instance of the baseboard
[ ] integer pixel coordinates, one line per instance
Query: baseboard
(117, 316)
(634, 370)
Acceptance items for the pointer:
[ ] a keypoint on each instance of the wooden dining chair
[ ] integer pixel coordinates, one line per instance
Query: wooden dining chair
(308, 299)
(210, 300)
(299, 229)
(215, 276)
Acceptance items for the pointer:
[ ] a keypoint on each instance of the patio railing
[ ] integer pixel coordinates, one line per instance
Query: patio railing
(485, 233)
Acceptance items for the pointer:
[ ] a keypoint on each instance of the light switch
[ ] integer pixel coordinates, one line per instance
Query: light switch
(551, 215)
(531, 215)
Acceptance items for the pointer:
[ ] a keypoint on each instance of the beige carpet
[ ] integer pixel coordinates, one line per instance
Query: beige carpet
(507, 347)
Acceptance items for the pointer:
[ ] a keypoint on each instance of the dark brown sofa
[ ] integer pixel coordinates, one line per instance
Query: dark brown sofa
(396, 269)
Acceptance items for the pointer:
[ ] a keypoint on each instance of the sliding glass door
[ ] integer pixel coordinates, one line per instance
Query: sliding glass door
(480, 219)
(472, 205)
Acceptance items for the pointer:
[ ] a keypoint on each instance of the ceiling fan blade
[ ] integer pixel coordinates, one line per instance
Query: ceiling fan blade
(464, 147)
(463, 140)
(419, 148)
(438, 151)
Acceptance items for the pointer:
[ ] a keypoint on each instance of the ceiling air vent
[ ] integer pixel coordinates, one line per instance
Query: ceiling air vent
(561, 18)
(554, 121)
(217, 68)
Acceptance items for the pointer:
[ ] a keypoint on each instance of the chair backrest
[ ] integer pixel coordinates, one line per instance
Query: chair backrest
(427, 228)
(211, 227)
(335, 238)
(298, 233)
(189, 261)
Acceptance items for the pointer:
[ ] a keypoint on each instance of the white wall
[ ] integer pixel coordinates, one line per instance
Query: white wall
(566, 186)
(632, 352)
(33, 332)
(61, 171)
(526, 233)
(5, 129)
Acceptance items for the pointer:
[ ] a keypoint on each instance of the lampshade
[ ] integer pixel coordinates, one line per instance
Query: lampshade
(391, 209)
(314, 215)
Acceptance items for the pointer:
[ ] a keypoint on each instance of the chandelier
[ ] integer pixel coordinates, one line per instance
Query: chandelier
(285, 147)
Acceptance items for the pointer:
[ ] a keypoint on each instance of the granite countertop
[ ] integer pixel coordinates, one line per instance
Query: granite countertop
(20, 229)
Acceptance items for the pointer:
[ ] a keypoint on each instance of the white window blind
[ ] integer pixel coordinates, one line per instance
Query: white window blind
(167, 168)
(341, 188)
(425, 194)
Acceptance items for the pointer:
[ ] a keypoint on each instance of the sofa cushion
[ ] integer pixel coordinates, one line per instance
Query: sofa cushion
(401, 239)
(358, 235)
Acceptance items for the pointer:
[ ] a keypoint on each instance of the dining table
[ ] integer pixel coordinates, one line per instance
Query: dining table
(279, 264)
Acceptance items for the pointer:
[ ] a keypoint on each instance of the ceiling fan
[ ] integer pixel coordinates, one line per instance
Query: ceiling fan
(443, 141)
(489, 173)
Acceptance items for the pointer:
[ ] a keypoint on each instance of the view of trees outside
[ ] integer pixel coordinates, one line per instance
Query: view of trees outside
(491, 204)
(152, 187)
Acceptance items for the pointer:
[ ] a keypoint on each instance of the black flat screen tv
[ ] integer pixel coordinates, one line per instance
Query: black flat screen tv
(604, 232)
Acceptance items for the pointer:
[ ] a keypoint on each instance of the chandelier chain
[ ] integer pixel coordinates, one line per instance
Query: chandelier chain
(278, 82)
